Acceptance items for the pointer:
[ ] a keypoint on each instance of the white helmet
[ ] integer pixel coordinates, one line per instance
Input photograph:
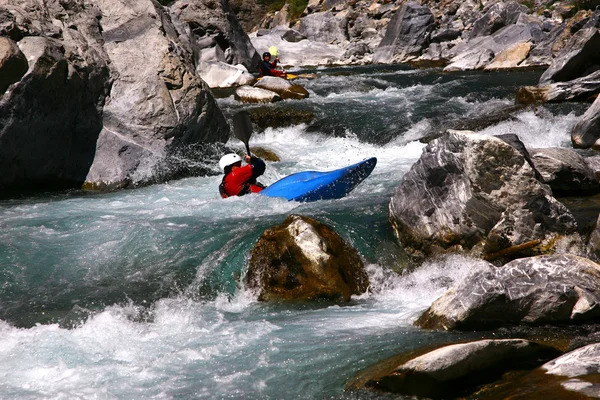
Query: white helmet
(229, 159)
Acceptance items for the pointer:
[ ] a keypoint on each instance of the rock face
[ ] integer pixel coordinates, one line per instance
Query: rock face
(304, 259)
(586, 131)
(111, 96)
(51, 117)
(474, 192)
(218, 74)
(581, 367)
(407, 34)
(557, 289)
(282, 87)
(451, 371)
(13, 64)
(323, 27)
(565, 171)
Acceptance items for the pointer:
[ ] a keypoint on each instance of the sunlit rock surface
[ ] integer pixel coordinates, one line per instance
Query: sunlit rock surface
(582, 368)
(558, 289)
(472, 191)
(284, 88)
(250, 94)
(304, 259)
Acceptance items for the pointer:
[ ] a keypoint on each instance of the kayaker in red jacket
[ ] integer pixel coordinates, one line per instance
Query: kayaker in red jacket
(239, 180)
(267, 68)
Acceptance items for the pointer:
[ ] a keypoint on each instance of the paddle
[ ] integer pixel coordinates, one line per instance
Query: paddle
(242, 128)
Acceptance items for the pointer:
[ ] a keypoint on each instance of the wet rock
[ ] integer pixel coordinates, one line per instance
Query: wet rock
(581, 367)
(476, 192)
(594, 241)
(265, 154)
(270, 117)
(586, 132)
(557, 289)
(565, 171)
(579, 89)
(222, 75)
(13, 64)
(458, 369)
(303, 259)
(324, 27)
(282, 87)
(579, 58)
(249, 94)
(407, 34)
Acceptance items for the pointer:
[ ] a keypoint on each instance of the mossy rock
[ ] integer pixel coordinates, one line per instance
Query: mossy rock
(269, 117)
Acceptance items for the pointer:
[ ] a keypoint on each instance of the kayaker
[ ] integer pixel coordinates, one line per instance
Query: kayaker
(267, 68)
(239, 180)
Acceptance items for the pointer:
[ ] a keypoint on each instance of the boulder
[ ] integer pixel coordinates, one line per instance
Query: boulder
(586, 132)
(304, 259)
(357, 49)
(222, 75)
(497, 16)
(476, 192)
(510, 58)
(457, 369)
(579, 58)
(566, 171)
(13, 64)
(582, 369)
(574, 90)
(205, 20)
(249, 94)
(277, 117)
(407, 34)
(293, 36)
(282, 17)
(324, 27)
(557, 289)
(282, 87)
(159, 109)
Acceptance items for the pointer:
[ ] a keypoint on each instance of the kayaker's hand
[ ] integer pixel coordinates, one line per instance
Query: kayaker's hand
(247, 158)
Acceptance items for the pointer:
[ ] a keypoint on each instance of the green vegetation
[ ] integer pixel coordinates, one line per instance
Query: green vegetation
(296, 6)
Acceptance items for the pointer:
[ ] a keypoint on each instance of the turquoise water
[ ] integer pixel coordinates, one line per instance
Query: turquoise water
(136, 294)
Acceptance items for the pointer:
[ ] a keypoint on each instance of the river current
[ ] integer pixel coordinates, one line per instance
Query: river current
(136, 294)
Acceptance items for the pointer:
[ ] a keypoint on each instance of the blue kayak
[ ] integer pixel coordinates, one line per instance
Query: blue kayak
(313, 185)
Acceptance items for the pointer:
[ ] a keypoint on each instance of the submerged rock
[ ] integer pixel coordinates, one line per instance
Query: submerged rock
(558, 289)
(455, 370)
(282, 87)
(472, 191)
(249, 94)
(304, 259)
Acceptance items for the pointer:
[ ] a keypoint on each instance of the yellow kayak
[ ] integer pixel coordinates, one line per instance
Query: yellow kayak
(289, 77)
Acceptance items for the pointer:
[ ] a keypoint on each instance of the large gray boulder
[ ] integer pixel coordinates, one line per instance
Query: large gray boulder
(472, 191)
(284, 88)
(158, 105)
(324, 27)
(51, 116)
(582, 369)
(558, 289)
(214, 28)
(566, 171)
(304, 259)
(497, 16)
(452, 371)
(586, 132)
(407, 34)
(574, 90)
(579, 58)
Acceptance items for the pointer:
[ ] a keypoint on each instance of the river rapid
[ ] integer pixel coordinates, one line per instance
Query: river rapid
(136, 294)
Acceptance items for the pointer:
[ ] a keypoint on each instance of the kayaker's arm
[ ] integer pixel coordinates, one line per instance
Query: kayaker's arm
(258, 165)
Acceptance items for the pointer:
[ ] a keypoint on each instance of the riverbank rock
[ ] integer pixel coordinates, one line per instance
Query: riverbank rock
(477, 192)
(324, 27)
(458, 369)
(304, 259)
(249, 94)
(13, 64)
(282, 87)
(579, 89)
(586, 132)
(558, 289)
(582, 369)
(218, 74)
(407, 34)
(565, 171)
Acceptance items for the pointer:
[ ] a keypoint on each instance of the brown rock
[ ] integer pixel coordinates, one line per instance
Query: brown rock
(304, 259)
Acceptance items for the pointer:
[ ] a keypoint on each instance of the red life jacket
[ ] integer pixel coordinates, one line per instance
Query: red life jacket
(239, 182)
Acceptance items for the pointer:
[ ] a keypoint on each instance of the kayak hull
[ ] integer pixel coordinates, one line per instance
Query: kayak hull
(313, 185)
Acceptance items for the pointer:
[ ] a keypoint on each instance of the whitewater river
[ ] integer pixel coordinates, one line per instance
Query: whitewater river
(136, 294)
